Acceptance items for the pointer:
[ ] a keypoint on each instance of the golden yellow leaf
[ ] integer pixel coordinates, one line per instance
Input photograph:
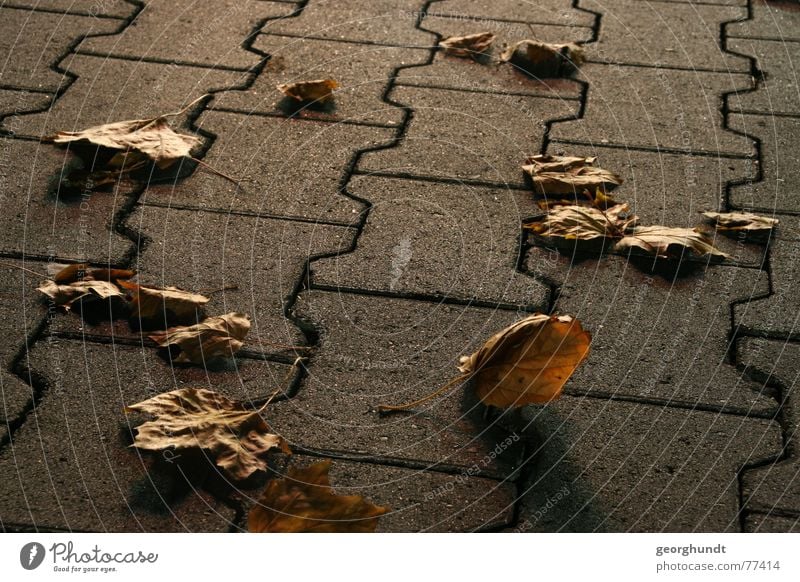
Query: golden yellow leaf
(545, 60)
(667, 242)
(472, 45)
(568, 175)
(149, 302)
(303, 501)
(234, 436)
(320, 90)
(215, 337)
(528, 362)
(66, 295)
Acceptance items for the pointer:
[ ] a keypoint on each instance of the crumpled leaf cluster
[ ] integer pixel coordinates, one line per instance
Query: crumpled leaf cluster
(214, 338)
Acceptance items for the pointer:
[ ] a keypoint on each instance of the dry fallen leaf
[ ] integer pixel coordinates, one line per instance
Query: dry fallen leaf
(542, 59)
(303, 501)
(669, 243)
(153, 138)
(528, 362)
(82, 272)
(234, 436)
(215, 337)
(584, 223)
(149, 302)
(66, 295)
(320, 90)
(472, 45)
(752, 225)
(568, 175)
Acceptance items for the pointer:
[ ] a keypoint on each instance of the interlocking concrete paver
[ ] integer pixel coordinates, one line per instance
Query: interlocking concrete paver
(117, 8)
(408, 219)
(656, 108)
(669, 34)
(290, 168)
(778, 19)
(14, 101)
(774, 486)
(389, 22)
(362, 71)
(191, 32)
(777, 191)
(69, 465)
(422, 500)
(41, 219)
(376, 350)
(776, 315)
(622, 466)
(108, 90)
(466, 135)
(541, 12)
(777, 92)
(760, 523)
(37, 41)
(679, 356)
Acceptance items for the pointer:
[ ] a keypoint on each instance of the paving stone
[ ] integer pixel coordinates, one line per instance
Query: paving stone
(377, 350)
(37, 41)
(362, 71)
(13, 101)
(409, 243)
(656, 337)
(623, 466)
(775, 485)
(542, 12)
(776, 315)
(70, 465)
(760, 523)
(778, 19)
(389, 22)
(464, 73)
(290, 168)
(779, 188)
(21, 312)
(466, 135)
(669, 34)
(117, 8)
(654, 179)
(191, 32)
(420, 501)
(663, 108)
(42, 221)
(108, 90)
(777, 93)
(263, 259)
(717, 2)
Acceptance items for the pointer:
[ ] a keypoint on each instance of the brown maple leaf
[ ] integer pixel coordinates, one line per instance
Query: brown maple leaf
(752, 226)
(303, 501)
(215, 337)
(79, 291)
(151, 302)
(544, 60)
(568, 175)
(236, 437)
(669, 243)
(580, 223)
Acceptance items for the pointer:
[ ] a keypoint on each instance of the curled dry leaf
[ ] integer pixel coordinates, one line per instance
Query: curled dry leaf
(472, 45)
(303, 501)
(669, 243)
(752, 225)
(542, 59)
(66, 274)
(153, 138)
(528, 362)
(560, 175)
(215, 337)
(234, 436)
(148, 302)
(66, 295)
(584, 223)
(320, 90)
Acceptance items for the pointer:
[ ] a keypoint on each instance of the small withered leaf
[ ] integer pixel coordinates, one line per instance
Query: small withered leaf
(568, 175)
(150, 302)
(66, 295)
(303, 501)
(668, 242)
(544, 60)
(528, 362)
(216, 337)
(236, 437)
(471, 45)
(320, 90)
(66, 274)
(742, 222)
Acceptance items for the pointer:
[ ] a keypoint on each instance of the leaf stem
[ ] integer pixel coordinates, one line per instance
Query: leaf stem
(388, 408)
(284, 384)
